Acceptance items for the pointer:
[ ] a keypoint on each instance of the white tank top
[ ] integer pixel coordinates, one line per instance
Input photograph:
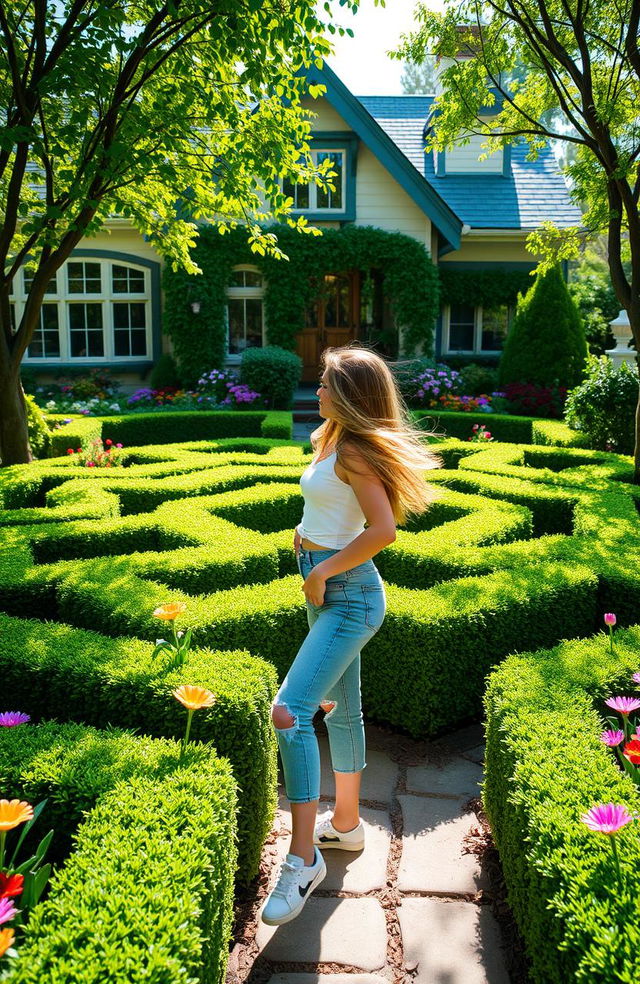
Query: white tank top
(332, 516)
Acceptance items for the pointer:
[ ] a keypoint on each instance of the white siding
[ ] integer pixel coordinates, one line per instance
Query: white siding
(326, 118)
(382, 202)
(465, 159)
(488, 251)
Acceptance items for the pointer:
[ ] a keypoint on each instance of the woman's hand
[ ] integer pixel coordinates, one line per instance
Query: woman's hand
(314, 588)
(297, 540)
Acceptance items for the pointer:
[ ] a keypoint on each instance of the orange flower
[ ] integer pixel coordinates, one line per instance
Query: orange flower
(632, 751)
(14, 812)
(194, 698)
(6, 940)
(171, 611)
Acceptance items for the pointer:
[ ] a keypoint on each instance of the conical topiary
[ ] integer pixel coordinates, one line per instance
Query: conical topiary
(546, 344)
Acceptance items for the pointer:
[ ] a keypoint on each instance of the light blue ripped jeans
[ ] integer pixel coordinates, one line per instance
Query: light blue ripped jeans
(327, 670)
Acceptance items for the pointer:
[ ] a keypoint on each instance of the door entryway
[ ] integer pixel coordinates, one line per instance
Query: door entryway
(333, 319)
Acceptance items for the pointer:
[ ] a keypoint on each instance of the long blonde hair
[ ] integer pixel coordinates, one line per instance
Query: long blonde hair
(370, 417)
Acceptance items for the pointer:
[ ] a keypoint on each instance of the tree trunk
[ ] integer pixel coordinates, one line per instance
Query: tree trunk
(636, 450)
(14, 431)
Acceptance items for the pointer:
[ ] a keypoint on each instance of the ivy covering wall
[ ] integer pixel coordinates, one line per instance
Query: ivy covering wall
(410, 282)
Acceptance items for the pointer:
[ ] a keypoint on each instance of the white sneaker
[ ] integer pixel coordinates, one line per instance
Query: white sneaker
(325, 835)
(296, 882)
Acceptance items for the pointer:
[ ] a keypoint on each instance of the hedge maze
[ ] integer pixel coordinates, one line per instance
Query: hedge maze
(524, 547)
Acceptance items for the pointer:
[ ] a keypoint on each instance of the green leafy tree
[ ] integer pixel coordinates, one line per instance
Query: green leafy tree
(417, 80)
(167, 114)
(546, 344)
(526, 58)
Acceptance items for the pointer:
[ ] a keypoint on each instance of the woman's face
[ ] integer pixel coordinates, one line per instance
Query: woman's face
(325, 402)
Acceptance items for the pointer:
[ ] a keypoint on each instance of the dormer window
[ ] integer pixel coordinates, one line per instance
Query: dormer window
(309, 197)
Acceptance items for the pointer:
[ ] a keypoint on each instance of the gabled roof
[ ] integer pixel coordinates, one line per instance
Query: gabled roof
(393, 128)
(390, 155)
(531, 193)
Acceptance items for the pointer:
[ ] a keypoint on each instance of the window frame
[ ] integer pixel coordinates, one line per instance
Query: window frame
(477, 332)
(331, 142)
(243, 294)
(107, 298)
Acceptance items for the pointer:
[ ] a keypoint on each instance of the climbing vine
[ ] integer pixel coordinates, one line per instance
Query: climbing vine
(410, 283)
(486, 288)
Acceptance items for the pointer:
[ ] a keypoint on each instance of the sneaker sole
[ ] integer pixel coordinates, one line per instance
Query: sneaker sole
(296, 912)
(339, 845)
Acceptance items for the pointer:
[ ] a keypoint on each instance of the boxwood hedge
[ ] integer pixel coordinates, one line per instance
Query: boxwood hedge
(545, 767)
(147, 892)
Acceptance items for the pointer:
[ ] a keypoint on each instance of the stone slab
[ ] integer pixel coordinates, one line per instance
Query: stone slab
(477, 753)
(342, 931)
(456, 942)
(461, 740)
(433, 854)
(458, 777)
(378, 779)
(347, 871)
(327, 979)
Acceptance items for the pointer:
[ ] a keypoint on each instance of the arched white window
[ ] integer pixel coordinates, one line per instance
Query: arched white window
(245, 310)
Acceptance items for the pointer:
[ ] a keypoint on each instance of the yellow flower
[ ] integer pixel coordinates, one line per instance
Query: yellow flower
(6, 940)
(194, 698)
(14, 812)
(171, 611)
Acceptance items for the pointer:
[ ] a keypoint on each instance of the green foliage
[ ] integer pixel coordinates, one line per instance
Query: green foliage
(558, 434)
(546, 344)
(291, 286)
(604, 405)
(478, 379)
(545, 766)
(593, 293)
(503, 426)
(273, 372)
(155, 855)
(212, 524)
(76, 675)
(487, 288)
(165, 373)
(39, 434)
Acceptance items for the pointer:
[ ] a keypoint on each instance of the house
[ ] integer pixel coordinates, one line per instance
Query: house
(105, 307)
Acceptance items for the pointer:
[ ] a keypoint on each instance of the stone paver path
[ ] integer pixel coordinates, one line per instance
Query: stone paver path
(412, 905)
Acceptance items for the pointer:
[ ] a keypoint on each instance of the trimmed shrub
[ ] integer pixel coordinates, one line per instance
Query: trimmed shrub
(604, 405)
(39, 433)
(148, 891)
(73, 675)
(477, 379)
(545, 766)
(528, 399)
(558, 434)
(164, 373)
(273, 372)
(503, 427)
(546, 343)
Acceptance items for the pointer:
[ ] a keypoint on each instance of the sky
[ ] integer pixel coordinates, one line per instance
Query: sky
(362, 62)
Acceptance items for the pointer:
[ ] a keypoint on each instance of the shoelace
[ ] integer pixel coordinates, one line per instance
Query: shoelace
(286, 877)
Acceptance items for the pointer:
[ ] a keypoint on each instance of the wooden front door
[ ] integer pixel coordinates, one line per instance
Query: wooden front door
(334, 319)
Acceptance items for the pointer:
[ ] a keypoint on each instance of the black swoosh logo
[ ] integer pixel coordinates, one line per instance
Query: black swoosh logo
(328, 840)
(303, 891)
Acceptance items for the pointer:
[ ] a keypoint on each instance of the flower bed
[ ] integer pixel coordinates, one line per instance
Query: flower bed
(545, 768)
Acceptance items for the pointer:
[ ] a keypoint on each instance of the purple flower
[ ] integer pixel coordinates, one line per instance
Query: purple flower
(607, 818)
(7, 910)
(9, 719)
(624, 705)
(612, 738)
(609, 618)
(636, 677)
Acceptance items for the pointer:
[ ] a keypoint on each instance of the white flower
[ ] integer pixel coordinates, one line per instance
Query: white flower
(114, 406)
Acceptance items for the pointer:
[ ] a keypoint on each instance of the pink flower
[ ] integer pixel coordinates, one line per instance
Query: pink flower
(10, 718)
(612, 738)
(91, 464)
(7, 910)
(607, 819)
(624, 705)
(118, 445)
(487, 434)
(475, 427)
(609, 618)
(636, 677)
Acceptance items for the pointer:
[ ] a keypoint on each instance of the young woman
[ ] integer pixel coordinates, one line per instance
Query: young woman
(366, 476)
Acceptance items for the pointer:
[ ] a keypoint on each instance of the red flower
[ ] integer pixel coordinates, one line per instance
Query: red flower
(10, 885)
(632, 751)
(108, 443)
